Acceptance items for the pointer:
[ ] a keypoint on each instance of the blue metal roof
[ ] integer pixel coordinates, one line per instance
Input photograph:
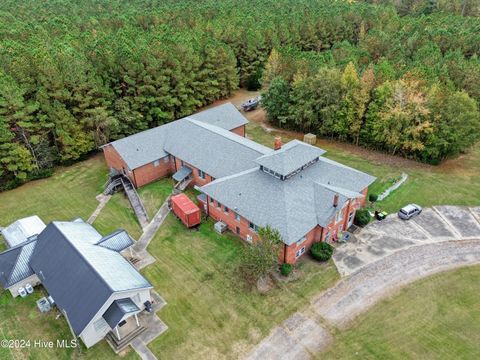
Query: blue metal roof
(119, 308)
(15, 263)
(116, 241)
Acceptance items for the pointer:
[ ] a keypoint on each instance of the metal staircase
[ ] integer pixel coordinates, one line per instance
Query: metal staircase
(121, 181)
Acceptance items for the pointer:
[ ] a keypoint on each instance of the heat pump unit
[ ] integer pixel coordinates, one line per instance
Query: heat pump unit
(220, 227)
(249, 238)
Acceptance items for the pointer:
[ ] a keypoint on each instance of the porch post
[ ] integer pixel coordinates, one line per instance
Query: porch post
(136, 319)
(118, 333)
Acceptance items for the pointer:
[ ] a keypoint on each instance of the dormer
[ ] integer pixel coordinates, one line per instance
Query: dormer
(290, 159)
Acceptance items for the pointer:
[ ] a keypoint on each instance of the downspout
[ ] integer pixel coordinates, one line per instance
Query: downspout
(285, 253)
(134, 178)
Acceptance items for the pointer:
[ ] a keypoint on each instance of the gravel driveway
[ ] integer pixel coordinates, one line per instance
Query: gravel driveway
(384, 257)
(306, 333)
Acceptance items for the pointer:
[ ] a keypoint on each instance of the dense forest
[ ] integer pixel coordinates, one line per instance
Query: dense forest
(399, 75)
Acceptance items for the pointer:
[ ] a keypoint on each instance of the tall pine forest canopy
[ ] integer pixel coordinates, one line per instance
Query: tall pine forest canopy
(402, 76)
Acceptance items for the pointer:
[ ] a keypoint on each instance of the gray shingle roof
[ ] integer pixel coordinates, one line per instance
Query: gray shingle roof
(225, 116)
(117, 241)
(147, 146)
(293, 206)
(22, 229)
(290, 157)
(216, 151)
(15, 263)
(83, 275)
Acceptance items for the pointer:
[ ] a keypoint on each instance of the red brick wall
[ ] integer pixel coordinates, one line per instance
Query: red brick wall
(312, 237)
(219, 214)
(139, 176)
(115, 161)
(239, 130)
(149, 172)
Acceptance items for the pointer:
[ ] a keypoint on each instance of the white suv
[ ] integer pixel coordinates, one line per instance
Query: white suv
(409, 211)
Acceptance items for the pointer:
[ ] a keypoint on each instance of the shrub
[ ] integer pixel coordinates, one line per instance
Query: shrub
(322, 251)
(286, 269)
(373, 197)
(362, 217)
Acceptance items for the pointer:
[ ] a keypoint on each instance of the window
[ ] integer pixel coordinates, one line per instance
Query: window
(166, 159)
(201, 174)
(218, 204)
(300, 252)
(225, 209)
(327, 237)
(237, 217)
(156, 163)
(253, 227)
(181, 163)
(350, 217)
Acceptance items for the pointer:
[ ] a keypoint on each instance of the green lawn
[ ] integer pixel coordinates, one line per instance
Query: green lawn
(210, 312)
(153, 195)
(68, 194)
(21, 320)
(435, 318)
(457, 182)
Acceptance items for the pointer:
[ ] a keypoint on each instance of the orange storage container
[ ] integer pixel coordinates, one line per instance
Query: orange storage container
(186, 210)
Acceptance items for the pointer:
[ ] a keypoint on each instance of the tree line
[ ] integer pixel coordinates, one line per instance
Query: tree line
(75, 75)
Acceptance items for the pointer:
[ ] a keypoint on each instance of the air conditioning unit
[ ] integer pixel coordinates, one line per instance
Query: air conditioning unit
(220, 227)
(44, 305)
(22, 292)
(249, 238)
(29, 288)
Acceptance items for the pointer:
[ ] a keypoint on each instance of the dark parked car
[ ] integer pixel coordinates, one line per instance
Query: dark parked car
(409, 211)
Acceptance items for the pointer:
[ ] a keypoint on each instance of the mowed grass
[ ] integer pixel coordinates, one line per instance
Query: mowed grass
(435, 318)
(153, 195)
(68, 194)
(455, 182)
(20, 320)
(210, 312)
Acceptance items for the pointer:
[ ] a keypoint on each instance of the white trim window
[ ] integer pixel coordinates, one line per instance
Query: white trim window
(166, 159)
(237, 217)
(201, 174)
(300, 252)
(253, 227)
(327, 236)
(225, 210)
(156, 163)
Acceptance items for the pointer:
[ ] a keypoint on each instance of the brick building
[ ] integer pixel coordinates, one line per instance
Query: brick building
(292, 187)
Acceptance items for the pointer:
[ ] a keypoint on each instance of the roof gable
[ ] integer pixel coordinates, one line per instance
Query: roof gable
(225, 116)
(83, 275)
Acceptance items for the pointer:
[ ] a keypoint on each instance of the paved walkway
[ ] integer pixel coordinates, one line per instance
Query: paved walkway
(304, 334)
(151, 229)
(155, 327)
(103, 199)
(383, 238)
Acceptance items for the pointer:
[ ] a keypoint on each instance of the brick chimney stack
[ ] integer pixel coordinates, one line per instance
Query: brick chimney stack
(277, 145)
(335, 200)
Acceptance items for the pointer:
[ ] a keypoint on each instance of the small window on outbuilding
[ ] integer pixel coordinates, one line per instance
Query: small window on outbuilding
(225, 209)
(156, 163)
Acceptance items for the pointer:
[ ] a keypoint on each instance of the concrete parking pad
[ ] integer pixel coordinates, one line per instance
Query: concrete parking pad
(395, 227)
(461, 219)
(433, 224)
(475, 211)
(382, 238)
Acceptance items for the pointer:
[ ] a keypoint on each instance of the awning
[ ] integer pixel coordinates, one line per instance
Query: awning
(117, 311)
(181, 174)
(202, 198)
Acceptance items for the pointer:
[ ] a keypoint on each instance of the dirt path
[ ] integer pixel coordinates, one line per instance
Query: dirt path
(357, 293)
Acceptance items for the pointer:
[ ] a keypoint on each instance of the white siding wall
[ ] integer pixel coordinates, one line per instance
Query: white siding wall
(90, 336)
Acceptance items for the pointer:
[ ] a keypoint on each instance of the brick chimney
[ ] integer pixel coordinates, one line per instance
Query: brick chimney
(277, 145)
(335, 200)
